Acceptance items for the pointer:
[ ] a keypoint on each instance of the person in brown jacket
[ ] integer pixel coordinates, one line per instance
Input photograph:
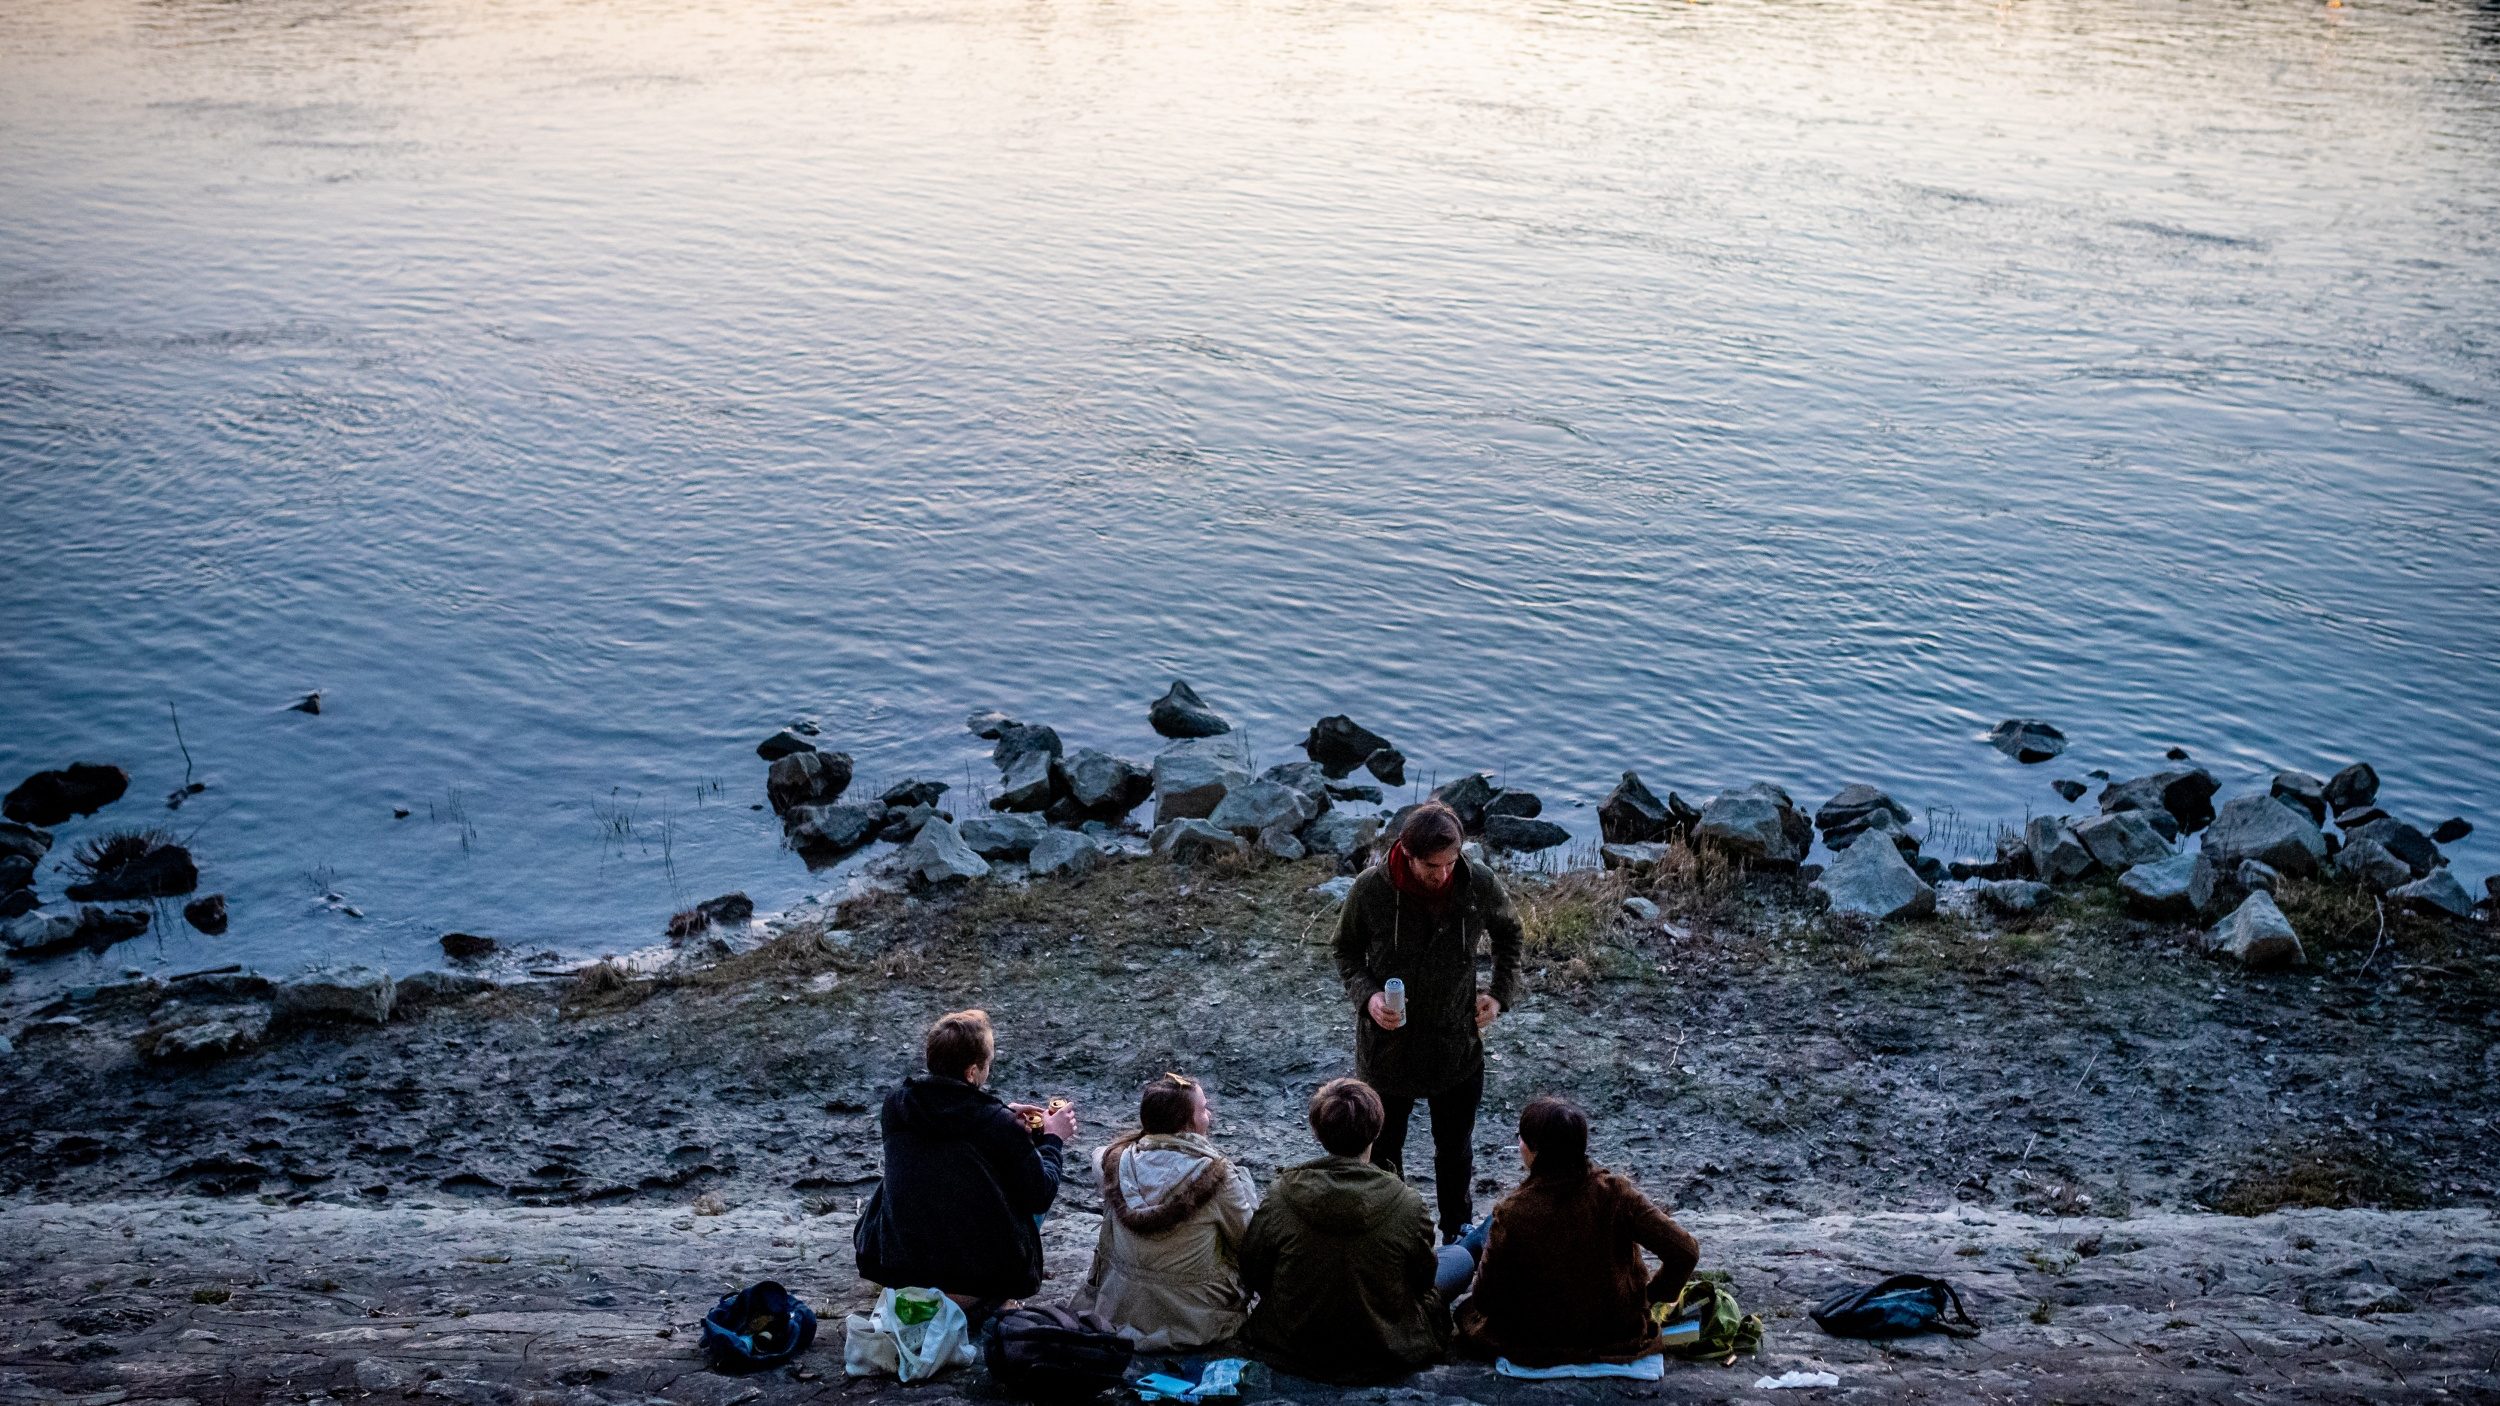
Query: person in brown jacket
(1562, 1281)
(1419, 916)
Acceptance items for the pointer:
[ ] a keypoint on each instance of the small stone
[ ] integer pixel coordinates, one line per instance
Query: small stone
(2123, 839)
(1516, 832)
(901, 825)
(987, 723)
(2013, 897)
(2177, 754)
(348, 992)
(2438, 893)
(782, 744)
(1190, 840)
(1634, 857)
(1277, 842)
(1001, 836)
(837, 828)
(1875, 881)
(2266, 830)
(2353, 787)
(207, 914)
(199, 1035)
(2257, 876)
(2451, 830)
(2301, 790)
(1640, 910)
(938, 855)
(1853, 810)
(2179, 889)
(2056, 855)
(2359, 816)
(1065, 853)
(1020, 740)
(1388, 764)
(1368, 795)
(1335, 890)
(102, 926)
(2068, 789)
(2027, 740)
(467, 946)
(2184, 794)
(807, 778)
(1340, 744)
(1180, 712)
(903, 795)
(16, 903)
(1524, 805)
(418, 990)
(2257, 935)
(309, 703)
(1633, 814)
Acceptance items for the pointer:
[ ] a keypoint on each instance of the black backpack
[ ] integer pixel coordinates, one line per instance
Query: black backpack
(1897, 1307)
(1050, 1354)
(762, 1325)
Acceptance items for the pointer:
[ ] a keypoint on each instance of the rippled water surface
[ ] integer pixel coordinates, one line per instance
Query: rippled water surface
(576, 392)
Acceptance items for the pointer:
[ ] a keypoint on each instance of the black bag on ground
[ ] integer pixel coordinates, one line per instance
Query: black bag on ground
(1895, 1308)
(1052, 1354)
(762, 1325)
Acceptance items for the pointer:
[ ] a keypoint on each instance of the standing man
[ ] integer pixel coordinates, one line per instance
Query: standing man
(1417, 916)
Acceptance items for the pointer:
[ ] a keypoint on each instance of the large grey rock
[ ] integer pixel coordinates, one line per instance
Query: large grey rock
(2185, 794)
(1308, 778)
(2056, 855)
(2013, 897)
(2268, 831)
(1191, 777)
(1636, 857)
(1848, 814)
(938, 855)
(1103, 786)
(2122, 840)
(1341, 836)
(349, 991)
(1001, 836)
(1519, 832)
(2440, 893)
(1019, 740)
(1758, 824)
(1511, 801)
(2302, 791)
(1028, 782)
(1067, 853)
(1468, 795)
(1180, 712)
(2352, 788)
(2178, 889)
(1875, 881)
(44, 930)
(2400, 840)
(2368, 863)
(1191, 840)
(28, 842)
(1340, 744)
(196, 1036)
(1251, 807)
(2257, 934)
(839, 827)
(2027, 739)
(807, 779)
(1633, 814)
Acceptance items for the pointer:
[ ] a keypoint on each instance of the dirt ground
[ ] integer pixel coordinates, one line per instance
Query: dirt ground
(1750, 1061)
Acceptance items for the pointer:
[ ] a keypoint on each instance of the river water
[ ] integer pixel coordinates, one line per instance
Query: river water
(574, 393)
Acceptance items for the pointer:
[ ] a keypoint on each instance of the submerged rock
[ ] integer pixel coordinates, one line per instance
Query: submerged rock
(2185, 794)
(2068, 789)
(2177, 889)
(206, 914)
(133, 864)
(2027, 740)
(1067, 854)
(1102, 786)
(1180, 712)
(1758, 824)
(1191, 777)
(1633, 814)
(1340, 744)
(2122, 840)
(1519, 832)
(1189, 840)
(2352, 788)
(2451, 830)
(1875, 881)
(467, 946)
(2257, 935)
(347, 992)
(938, 855)
(807, 778)
(2439, 893)
(2268, 831)
(51, 797)
(98, 927)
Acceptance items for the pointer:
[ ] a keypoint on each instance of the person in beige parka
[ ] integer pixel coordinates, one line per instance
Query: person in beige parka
(1167, 1270)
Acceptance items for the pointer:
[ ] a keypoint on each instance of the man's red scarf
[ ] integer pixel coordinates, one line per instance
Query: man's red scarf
(1403, 877)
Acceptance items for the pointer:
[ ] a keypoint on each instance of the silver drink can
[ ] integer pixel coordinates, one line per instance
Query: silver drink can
(1393, 996)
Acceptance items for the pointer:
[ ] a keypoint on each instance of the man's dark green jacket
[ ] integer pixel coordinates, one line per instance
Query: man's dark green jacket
(1384, 933)
(1340, 1255)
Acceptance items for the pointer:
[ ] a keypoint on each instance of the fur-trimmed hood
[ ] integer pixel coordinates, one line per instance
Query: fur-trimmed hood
(1155, 1181)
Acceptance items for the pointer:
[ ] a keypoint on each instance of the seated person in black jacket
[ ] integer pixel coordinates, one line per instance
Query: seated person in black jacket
(967, 1179)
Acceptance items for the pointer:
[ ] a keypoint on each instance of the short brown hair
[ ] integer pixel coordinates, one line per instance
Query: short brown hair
(1431, 828)
(958, 1041)
(1345, 1113)
(1167, 1104)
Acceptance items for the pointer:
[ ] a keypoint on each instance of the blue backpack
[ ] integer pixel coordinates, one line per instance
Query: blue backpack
(762, 1325)
(1895, 1308)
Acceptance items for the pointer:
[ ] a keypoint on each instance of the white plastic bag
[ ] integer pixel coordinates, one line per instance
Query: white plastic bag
(882, 1342)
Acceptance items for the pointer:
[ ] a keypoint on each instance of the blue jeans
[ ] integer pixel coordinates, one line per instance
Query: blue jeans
(1456, 1262)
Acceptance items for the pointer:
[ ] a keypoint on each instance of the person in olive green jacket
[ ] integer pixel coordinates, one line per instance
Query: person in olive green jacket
(1341, 1257)
(1419, 916)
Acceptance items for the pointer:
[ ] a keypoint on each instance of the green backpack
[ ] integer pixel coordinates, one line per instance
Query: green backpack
(1706, 1322)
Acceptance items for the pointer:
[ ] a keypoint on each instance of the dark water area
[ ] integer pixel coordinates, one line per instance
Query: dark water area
(1791, 390)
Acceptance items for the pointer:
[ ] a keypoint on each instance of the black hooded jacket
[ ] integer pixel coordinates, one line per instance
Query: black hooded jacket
(964, 1179)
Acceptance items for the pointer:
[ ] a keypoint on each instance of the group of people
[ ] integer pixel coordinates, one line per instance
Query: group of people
(1336, 1273)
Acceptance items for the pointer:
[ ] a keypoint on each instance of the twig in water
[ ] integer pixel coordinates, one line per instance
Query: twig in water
(185, 746)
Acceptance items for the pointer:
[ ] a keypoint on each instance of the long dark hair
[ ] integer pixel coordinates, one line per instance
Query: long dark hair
(1558, 1134)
